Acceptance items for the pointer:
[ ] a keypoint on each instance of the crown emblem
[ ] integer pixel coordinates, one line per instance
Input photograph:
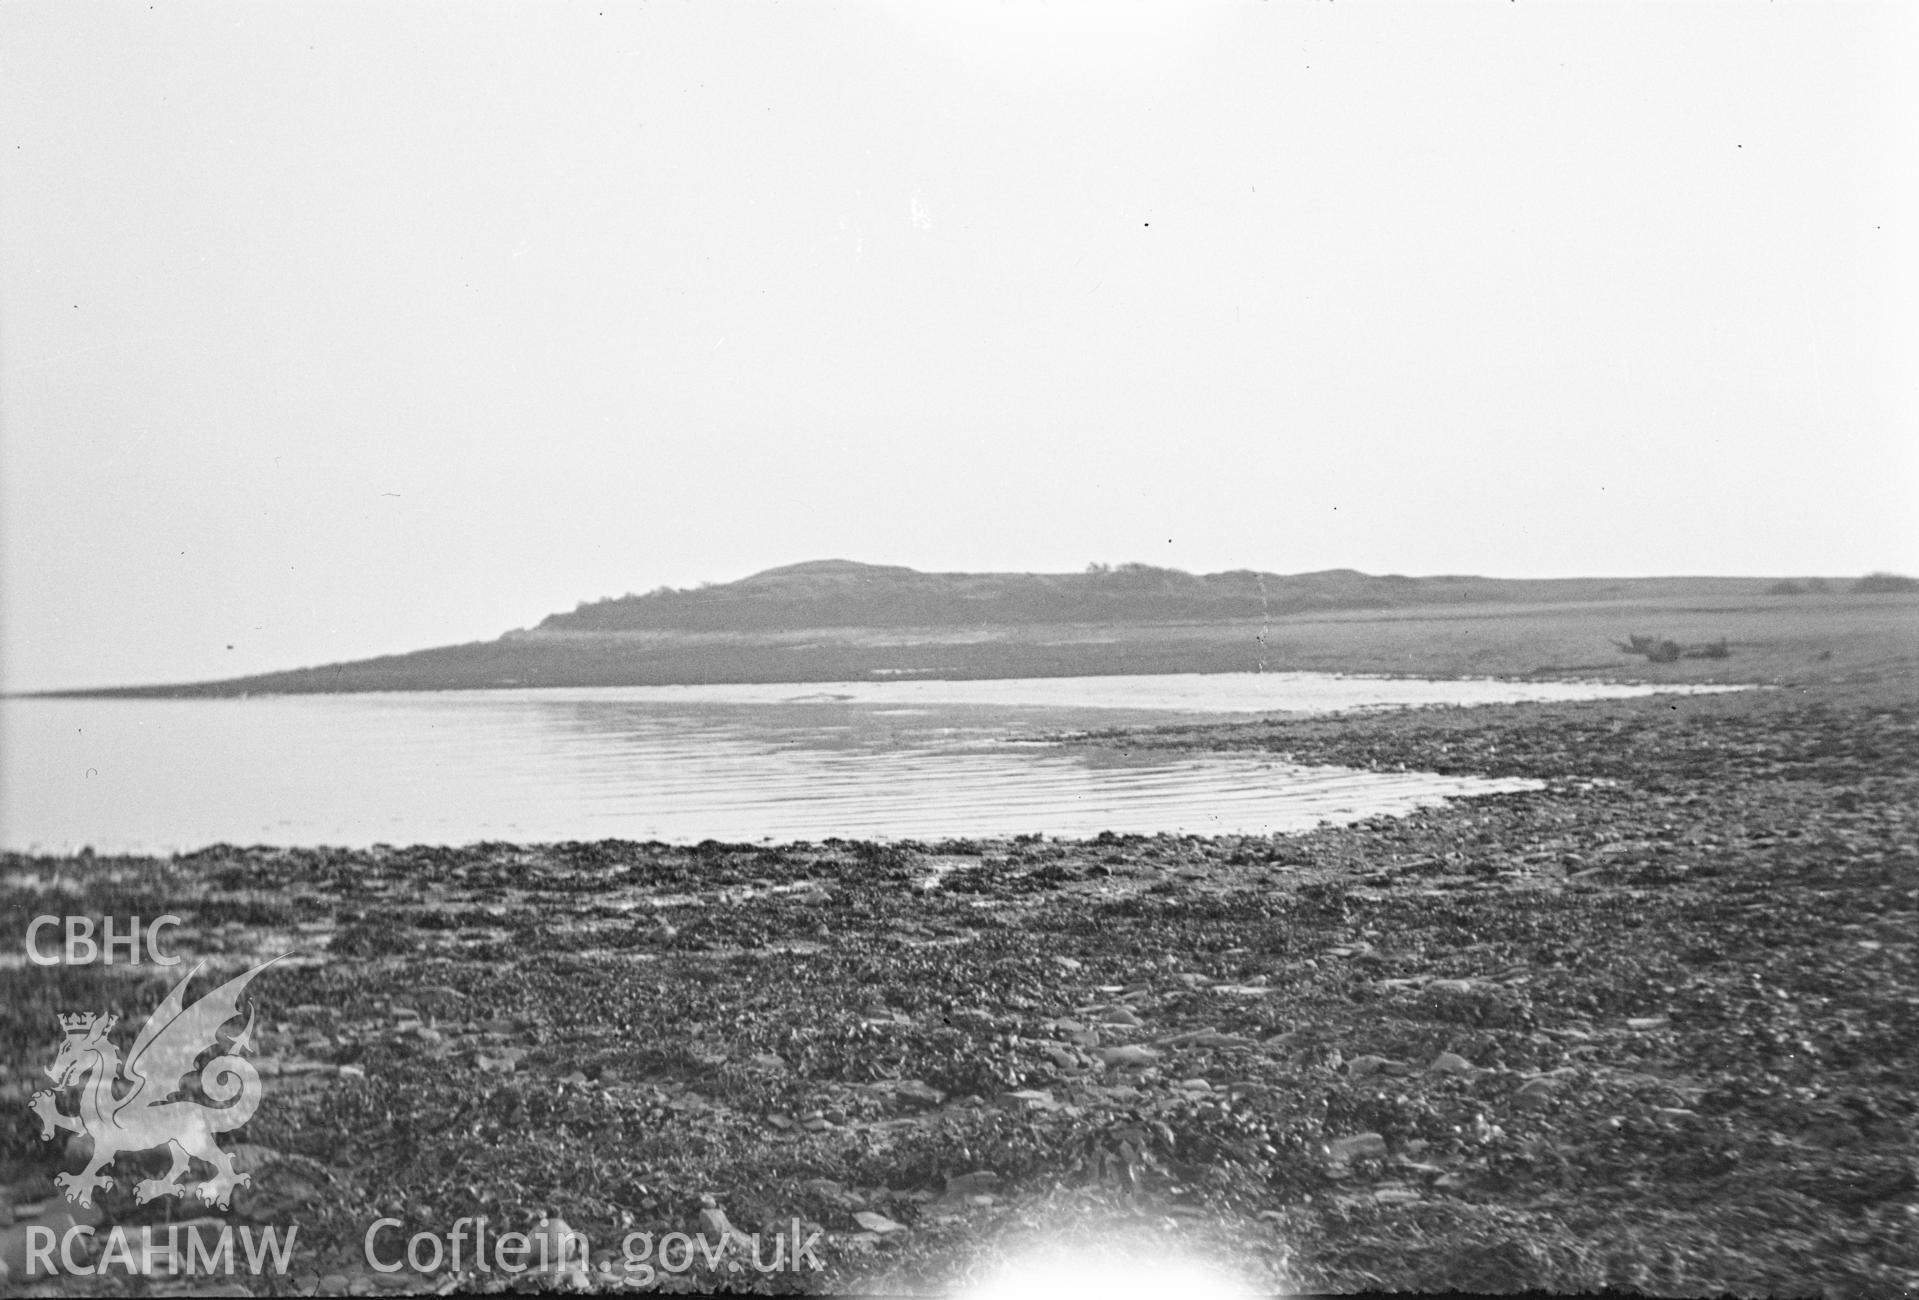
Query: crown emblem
(78, 1023)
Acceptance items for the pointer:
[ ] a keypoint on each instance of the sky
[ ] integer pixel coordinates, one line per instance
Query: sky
(331, 330)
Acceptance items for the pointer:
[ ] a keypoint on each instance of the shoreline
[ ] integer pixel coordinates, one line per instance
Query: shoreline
(1654, 1026)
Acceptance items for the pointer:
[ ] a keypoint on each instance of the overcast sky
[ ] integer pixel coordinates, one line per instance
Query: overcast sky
(340, 329)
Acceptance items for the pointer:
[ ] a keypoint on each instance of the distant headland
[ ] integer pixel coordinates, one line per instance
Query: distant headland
(838, 620)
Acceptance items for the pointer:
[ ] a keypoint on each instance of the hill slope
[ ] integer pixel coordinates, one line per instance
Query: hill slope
(838, 620)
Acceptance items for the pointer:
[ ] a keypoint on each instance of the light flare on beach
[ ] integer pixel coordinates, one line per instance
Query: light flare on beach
(1060, 1272)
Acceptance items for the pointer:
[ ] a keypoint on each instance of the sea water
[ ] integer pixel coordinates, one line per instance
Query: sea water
(878, 760)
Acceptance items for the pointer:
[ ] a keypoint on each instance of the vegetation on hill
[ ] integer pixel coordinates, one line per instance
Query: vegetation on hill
(842, 593)
(1885, 582)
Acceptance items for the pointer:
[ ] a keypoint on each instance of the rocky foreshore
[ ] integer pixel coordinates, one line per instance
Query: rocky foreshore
(1652, 1027)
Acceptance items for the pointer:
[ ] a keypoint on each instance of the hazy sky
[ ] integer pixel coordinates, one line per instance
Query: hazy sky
(329, 330)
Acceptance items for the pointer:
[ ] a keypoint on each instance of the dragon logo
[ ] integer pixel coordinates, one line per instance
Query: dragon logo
(148, 1114)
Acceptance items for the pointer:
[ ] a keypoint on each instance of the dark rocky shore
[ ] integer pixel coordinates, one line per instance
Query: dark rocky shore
(1652, 1027)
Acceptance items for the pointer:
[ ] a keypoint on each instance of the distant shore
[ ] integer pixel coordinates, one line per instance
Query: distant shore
(1769, 639)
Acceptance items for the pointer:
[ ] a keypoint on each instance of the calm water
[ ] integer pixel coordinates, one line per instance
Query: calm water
(906, 759)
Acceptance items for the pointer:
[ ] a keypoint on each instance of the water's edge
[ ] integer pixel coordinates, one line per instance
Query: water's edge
(919, 760)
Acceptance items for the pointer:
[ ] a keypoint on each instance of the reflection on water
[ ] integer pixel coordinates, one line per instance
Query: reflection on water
(922, 760)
